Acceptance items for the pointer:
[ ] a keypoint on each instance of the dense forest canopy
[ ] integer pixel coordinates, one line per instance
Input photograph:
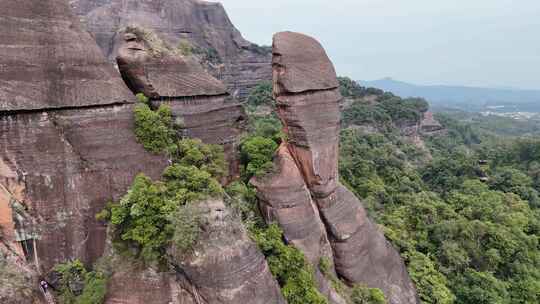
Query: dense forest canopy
(463, 211)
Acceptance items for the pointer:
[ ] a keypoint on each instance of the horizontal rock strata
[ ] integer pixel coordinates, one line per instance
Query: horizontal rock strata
(307, 98)
(226, 266)
(205, 25)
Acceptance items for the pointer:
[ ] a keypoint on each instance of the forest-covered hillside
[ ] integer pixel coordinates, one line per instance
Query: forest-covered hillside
(464, 215)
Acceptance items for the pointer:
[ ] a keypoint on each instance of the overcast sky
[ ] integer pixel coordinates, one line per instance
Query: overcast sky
(489, 43)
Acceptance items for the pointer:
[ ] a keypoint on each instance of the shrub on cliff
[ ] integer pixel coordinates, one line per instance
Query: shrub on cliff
(261, 94)
(365, 295)
(153, 129)
(289, 267)
(79, 286)
(147, 218)
(256, 155)
(193, 152)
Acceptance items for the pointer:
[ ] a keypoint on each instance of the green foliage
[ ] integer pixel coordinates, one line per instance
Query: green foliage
(187, 223)
(463, 241)
(141, 98)
(243, 201)
(79, 286)
(193, 152)
(379, 109)
(365, 295)
(186, 49)
(261, 94)
(350, 88)
(153, 128)
(142, 217)
(154, 214)
(432, 286)
(289, 267)
(257, 153)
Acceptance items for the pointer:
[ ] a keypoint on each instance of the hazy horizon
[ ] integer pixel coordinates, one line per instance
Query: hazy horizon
(471, 43)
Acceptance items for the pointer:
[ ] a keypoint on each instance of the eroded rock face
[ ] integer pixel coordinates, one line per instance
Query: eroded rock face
(239, 63)
(64, 154)
(199, 102)
(226, 266)
(65, 130)
(17, 278)
(307, 98)
(48, 61)
(285, 199)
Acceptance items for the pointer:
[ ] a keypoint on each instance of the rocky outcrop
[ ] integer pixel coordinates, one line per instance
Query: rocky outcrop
(17, 279)
(226, 266)
(67, 148)
(203, 25)
(307, 98)
(429, 125)
(199, 102)
(47, 61)
(66, 139)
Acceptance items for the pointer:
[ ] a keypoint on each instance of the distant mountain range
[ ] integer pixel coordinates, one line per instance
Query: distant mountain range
(471, 98)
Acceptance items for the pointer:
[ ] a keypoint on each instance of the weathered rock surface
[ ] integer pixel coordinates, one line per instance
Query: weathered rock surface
(72, 162)
(307, 98)
(429, 125)
(239, 63)
(64, 154)
(17, 279)
(226, 266)
(65, 131)
(361, 252)
(48, 61)
(199, 102)
(285, 199)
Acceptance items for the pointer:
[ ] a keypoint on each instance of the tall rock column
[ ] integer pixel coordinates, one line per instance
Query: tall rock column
(307, 96)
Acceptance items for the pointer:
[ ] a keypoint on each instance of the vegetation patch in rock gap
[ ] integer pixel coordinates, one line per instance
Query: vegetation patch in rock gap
(288, 264)
(76, 285)
(154, 215)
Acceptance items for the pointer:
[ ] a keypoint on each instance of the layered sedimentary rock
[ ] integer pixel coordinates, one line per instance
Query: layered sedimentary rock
(65, 131)
(429, 125)
(67, 148)
(47, 60)
(226, 266)
(285, 199)
(199, 102)
(307, 98)
(204, 25)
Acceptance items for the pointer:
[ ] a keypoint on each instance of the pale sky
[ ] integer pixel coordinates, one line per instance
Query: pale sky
(491, 43)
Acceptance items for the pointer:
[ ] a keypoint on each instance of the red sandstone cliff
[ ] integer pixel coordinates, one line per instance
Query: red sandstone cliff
(305, 197)
(239, 63)
(67, 148)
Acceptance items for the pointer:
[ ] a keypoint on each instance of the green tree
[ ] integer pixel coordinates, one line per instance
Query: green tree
(154, 128)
